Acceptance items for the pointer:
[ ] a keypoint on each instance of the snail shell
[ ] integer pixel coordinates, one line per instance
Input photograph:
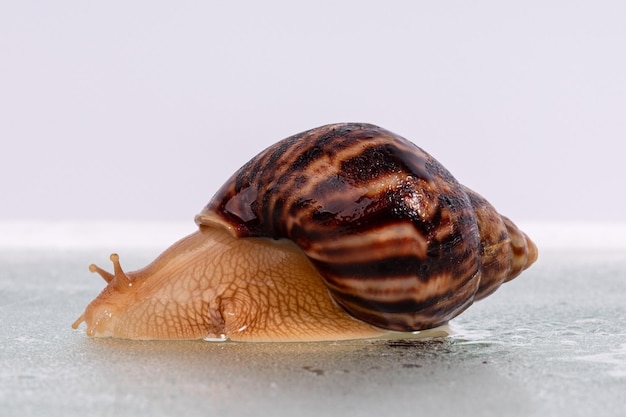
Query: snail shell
(398, 243)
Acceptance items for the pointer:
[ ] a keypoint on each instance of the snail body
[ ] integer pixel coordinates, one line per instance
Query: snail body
(340, 232)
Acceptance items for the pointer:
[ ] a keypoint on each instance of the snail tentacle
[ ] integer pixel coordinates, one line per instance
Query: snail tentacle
(106, 275)
(119, 280)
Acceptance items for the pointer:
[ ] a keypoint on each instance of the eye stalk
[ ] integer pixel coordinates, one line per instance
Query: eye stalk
(119, 280)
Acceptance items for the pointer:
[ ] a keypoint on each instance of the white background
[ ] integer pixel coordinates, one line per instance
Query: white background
(141, 109)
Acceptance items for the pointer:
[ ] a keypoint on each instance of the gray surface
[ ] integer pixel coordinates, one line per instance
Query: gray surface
(552, 342)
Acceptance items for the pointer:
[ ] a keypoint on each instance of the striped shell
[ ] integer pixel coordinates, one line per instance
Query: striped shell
(399, 242)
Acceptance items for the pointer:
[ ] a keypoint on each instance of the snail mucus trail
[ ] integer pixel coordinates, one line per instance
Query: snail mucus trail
(341, 232)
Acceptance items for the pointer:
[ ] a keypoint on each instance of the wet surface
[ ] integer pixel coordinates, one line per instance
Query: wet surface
(551, 342)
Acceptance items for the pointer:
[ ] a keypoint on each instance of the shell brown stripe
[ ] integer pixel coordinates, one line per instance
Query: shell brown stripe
(408, 314)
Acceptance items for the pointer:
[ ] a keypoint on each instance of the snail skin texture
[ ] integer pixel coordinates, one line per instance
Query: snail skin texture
(345, 231)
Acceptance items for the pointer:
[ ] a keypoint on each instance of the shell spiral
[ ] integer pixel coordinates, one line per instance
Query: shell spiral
(398, 241)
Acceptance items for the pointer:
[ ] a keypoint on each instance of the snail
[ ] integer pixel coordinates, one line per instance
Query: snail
(344, 231)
